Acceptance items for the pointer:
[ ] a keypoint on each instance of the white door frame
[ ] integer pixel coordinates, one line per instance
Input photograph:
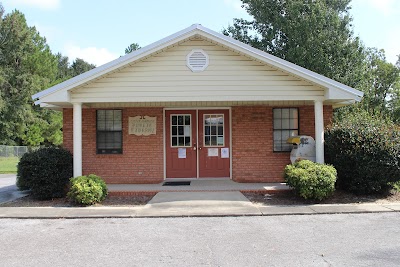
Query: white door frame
(197, 126)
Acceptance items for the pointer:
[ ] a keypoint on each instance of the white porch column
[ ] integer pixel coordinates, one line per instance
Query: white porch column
(77, 133)
(319, 131)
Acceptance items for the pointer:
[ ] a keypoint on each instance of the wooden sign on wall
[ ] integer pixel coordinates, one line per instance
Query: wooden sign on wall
(142, 125)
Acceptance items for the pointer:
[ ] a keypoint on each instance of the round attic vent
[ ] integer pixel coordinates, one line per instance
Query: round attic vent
(197, 60)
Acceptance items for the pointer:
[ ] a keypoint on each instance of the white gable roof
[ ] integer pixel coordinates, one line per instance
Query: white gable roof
(334, 88)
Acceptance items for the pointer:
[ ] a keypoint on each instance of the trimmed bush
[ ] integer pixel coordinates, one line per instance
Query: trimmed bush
(365, 150)
(311, 180)
(45, 172)
(87, 190)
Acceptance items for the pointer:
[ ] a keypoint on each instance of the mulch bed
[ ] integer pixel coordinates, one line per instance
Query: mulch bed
(339, 197)
(123, 201)
(280, 198)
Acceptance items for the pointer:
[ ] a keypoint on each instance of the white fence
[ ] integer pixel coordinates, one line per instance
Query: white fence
(12, 151)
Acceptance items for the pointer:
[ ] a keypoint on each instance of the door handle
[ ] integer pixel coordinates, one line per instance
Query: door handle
(194, 147)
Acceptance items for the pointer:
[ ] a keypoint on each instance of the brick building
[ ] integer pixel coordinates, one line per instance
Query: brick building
(196, 104)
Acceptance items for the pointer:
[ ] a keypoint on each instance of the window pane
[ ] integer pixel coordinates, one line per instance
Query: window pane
(101, 114)
(109, 115)
(181, 141)
(117, 138)
(101, 125)
(180, 120)
(174, 141)
(187, 141)
(277, 113)
(221, 120)
(294, 113)
(285, 124)
(180, 130)
(109, 125)
(277, 136)
(277, 146)
(187, 120)
(285, 113)
(187, 130)
(207, 130)
(206, 120)
(213, 140)
(220, 140)
(277, 124)
(286, 147)
(174, 130)
(213, 130)
(206, 140)
(117, 125)
(285, 136)
(220, 130)
(174, 120)
(293, 124)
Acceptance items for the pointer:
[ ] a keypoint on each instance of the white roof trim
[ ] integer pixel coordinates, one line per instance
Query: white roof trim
(218, 37)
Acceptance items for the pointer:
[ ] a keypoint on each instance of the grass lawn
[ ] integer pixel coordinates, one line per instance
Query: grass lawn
(8, 165)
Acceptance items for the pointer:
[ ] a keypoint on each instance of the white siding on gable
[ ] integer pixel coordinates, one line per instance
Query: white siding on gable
(165, 77)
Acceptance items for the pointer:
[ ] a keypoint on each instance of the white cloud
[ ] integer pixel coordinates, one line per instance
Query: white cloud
(43, 4)
(93, 55)
(236, 4)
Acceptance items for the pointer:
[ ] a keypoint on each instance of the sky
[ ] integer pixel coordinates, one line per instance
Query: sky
(99, 30)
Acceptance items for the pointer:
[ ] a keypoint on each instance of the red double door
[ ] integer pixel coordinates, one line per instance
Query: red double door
(197, 143)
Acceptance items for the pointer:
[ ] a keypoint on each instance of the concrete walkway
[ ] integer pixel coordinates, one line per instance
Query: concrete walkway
(8, 189)
(197, 185)
(195, 204)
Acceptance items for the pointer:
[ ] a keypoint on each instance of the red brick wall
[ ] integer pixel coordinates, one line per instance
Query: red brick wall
(252, 140)
(142, 158)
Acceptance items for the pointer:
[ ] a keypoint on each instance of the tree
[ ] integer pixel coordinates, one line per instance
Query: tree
(26, 67)
(132, 47)
(380, 84)
(315, 34)
(394, 102)
(80, 66)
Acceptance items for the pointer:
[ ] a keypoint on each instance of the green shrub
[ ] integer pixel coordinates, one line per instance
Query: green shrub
(87, 190)
(396, 186)
(365, 150)
(45, 172)
(311, 180)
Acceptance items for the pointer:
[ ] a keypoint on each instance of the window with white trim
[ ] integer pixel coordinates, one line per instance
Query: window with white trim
(213, 130)
(181, 130)
(109, 131)
(286, 124)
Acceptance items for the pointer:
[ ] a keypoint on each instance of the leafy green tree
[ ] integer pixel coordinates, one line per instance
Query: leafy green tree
(132, 47)
(394, 102)
(315, 34)
(63, 70)
(80, 66)
(380, 84)
(26, 66)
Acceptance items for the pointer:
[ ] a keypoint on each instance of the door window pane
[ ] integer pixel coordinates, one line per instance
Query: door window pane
(181, 130)
(213, 130)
